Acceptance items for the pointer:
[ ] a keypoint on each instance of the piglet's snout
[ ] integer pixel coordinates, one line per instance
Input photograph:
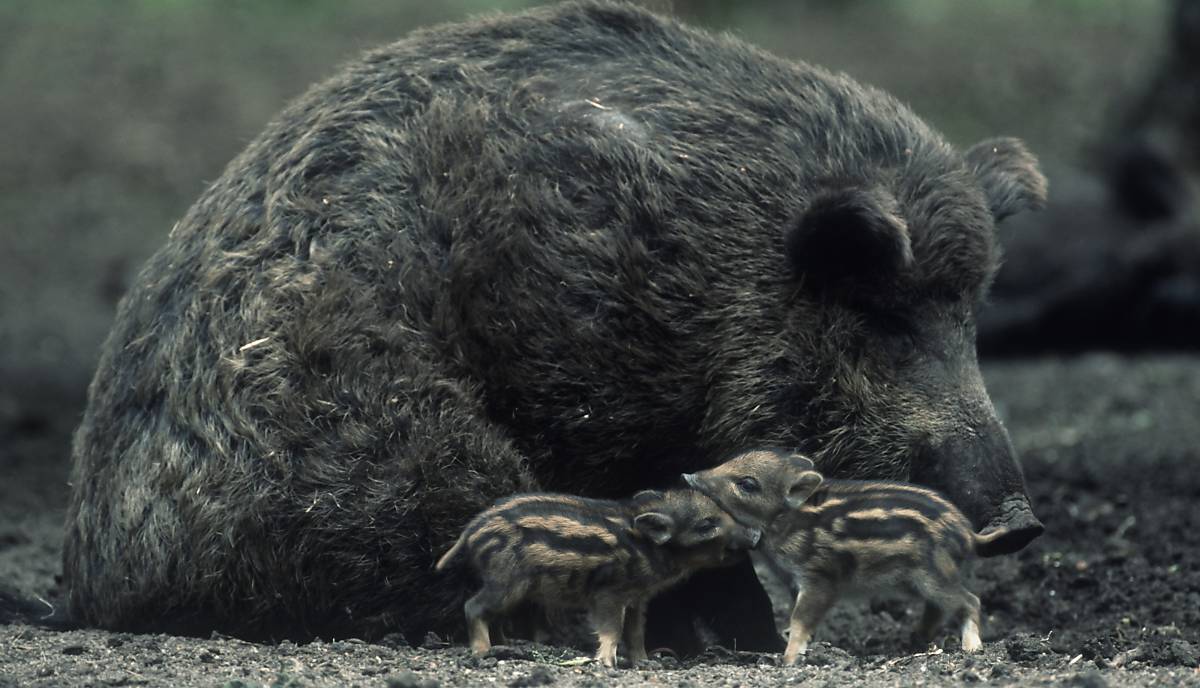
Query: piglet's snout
(747, 538)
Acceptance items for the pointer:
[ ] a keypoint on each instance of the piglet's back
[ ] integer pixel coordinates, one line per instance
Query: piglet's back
(854, 525)
(584, 543)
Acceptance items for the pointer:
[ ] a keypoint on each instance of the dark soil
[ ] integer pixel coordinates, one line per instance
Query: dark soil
(1109, 596)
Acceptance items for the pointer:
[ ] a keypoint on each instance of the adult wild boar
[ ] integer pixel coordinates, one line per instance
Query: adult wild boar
(581, 249)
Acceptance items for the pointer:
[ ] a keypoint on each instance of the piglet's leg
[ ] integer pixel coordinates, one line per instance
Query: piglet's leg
(635, 632)
(778, 589)
(814, 600)
(608, 617)
(477, 624)
(931, 623)
(493, 599)
(970, 627)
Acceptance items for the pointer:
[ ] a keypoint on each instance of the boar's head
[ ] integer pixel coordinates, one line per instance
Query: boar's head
(880, 375)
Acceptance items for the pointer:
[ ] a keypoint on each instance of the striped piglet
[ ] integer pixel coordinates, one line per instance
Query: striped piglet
(609, 557)
(825, 539)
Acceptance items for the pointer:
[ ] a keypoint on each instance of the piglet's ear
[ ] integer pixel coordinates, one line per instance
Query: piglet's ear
(647, 495)
(1009, 175)
(850, 234)
(801, 462)
(802, 488)
(655, 526)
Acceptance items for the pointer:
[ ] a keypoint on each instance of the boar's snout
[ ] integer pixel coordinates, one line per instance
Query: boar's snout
(980, 474)
(1015, 519)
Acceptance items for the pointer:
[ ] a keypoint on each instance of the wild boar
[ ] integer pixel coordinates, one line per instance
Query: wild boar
(609, 557)
(580, 249)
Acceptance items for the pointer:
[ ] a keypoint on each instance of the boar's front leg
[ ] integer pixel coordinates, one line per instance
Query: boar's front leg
(635, 632)
(816, 597)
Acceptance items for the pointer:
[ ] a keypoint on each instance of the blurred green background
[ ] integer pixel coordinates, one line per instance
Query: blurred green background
(114, 115)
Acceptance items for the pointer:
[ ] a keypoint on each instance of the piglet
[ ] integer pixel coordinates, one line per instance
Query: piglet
(827, 539)
(609, 557)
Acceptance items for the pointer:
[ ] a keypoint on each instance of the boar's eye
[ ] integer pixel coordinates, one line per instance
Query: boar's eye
(749, 485)
(705, 527)
(897, 331)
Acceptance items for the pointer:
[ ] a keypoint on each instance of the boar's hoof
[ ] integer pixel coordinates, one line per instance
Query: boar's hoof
(1018, 524)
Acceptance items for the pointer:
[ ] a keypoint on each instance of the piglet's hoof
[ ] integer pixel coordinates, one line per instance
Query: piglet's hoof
(793, 655)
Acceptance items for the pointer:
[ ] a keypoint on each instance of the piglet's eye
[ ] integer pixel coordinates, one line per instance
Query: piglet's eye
(705, 527)
(749, 484)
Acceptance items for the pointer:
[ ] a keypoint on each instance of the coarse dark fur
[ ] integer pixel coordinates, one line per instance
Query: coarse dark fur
(826, 539)
(542, 251)
(608, 557)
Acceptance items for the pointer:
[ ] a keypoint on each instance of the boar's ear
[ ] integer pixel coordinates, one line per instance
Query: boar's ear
(802, 488)
(655, 526)
(1009, 175)
(850, 233)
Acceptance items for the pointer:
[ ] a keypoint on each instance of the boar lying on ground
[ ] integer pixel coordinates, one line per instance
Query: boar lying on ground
(828, 539)
(606, 556)
(581, 249)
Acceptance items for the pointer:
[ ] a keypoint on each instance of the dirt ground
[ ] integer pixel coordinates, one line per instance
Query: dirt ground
(1109, 596)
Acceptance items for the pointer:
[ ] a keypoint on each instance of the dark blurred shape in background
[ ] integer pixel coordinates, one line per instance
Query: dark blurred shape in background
(1114, 262)
(114, 115)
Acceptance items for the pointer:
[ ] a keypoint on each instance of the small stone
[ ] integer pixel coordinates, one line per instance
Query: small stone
(667, 661)
(481, 662)
(1086, 679)
(824, 654)
(410, 680)
(1024, 647)
(971, 676)
(769, 660)
(395, 641)
(1177, 651)
(508, 652)
(538, 677)
(1098, 648)
(433, 641)
(406, 680)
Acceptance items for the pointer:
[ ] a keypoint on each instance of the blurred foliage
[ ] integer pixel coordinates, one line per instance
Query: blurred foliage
(114, 114)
